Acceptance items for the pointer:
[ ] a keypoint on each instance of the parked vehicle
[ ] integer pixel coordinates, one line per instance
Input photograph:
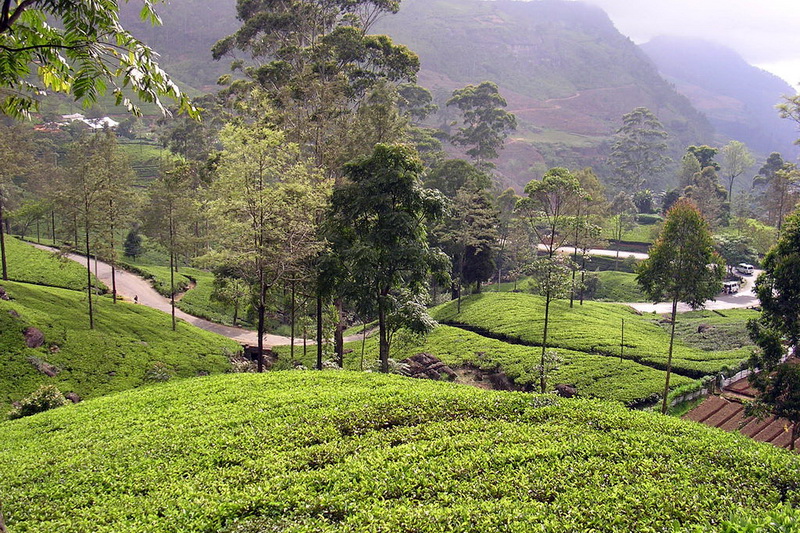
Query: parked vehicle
(730, 287)
(745, 268)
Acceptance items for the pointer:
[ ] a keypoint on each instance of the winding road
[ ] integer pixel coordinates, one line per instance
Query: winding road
(130, 286)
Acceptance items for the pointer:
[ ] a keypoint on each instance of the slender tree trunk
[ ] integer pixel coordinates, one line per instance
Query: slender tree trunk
(262, 311)
(113, 254)
(319, 331)
(38, 236)
(172, 289)
(3, 240)
(384, 341)
(339, 332)
(730, 190)
(669, 357)
(583, 275)
(89, 273)
(291, 319)
(53, 225)
(363, 344)
(2, 524)
(543, 381)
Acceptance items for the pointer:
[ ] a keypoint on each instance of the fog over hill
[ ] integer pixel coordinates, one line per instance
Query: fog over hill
(738, 98)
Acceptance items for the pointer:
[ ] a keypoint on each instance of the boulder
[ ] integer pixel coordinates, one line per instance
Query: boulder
(33, 337)
(566, 391)
(73, 397)
(427, 366)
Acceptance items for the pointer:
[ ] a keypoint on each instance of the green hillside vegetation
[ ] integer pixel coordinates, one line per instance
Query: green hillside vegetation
(567, 74)
(594, 376)
(127, 340)
(611, 287)
(617, 287)
(593, 327)
(31, 265)
(336, 451)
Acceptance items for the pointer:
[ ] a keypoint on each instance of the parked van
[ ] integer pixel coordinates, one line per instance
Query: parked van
(744, 268)
(730, 287)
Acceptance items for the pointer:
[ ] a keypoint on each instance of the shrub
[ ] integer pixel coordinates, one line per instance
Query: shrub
(44, 398)
(159, 372)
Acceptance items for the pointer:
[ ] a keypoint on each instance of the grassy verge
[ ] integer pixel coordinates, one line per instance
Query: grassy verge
(335, 451)
(32, 265)
(617, 287)
(114, 356)
(593, 327)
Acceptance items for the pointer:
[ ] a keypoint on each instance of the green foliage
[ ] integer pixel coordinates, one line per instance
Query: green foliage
(159, 372)
(42, 399)
(677, 268)
(785, 519)
(638, 150)
(334, 451)
(452, 175)
(133, 244)
(617, 287)
(31, 265)
(486, 123)
(114, 356)
(593, 327)
(379, 252)
(81, 54)
(704, 155)
(715, 330)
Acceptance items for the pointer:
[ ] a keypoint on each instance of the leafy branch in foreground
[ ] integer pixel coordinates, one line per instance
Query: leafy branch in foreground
(81, 49)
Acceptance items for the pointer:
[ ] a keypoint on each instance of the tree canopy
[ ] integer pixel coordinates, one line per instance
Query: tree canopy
(486, 123)
(638, 150)
(77, 48)
(682, 267)
(378, 236)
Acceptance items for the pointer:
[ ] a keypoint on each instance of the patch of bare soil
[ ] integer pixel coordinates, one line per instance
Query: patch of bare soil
(190, 286)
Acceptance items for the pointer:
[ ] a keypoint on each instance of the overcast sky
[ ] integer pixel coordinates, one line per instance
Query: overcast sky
(766, 33)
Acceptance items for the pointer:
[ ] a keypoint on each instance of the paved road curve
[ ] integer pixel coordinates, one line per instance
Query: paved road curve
(743, 299)
(130, 286)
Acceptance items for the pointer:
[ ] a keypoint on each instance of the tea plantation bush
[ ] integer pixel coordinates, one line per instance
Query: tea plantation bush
(593, 327)
(115, 356)
(32, 265)
(337, 451)
(595, 376)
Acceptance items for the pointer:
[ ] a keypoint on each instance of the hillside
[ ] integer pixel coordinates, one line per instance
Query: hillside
(738, 98)
(567, 73)
(336, 451)
(127, 341)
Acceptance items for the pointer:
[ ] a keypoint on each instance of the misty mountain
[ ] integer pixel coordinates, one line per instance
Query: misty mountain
(567, 73)
(738, 98)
